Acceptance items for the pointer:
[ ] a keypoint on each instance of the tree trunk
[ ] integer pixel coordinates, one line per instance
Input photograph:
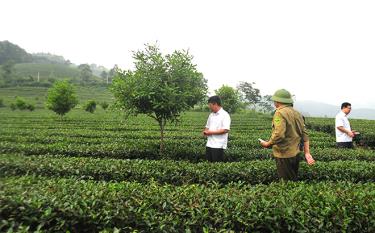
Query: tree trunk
(162, 125)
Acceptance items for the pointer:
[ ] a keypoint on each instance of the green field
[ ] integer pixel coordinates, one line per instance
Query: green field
(365, 127)
(26, 74)
(37, 95)
(103, 172)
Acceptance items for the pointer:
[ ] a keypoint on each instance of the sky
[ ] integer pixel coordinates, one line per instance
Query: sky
(322, 51)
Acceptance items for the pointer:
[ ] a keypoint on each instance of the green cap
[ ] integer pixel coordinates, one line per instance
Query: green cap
(282, 96)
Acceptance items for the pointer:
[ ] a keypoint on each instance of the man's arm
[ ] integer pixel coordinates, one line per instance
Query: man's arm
(226, 127)
(204, 132)
(215, 132)
(207, 126)
(348, 132)
(308, 156)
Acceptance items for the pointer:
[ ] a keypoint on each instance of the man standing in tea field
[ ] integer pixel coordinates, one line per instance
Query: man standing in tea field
(216, 130)
(288, 129)
(344, 133)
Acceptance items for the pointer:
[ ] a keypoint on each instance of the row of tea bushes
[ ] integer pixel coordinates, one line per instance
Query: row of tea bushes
(178, 173)
(88, 206)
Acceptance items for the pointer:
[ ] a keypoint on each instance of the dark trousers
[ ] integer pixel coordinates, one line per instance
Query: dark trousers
(344, 145)
(214, 154)
(287, 168)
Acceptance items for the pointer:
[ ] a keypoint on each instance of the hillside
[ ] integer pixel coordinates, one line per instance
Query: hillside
(20, 68)
(12, 52)
(317, 109)
(48, 72)
(37, 95)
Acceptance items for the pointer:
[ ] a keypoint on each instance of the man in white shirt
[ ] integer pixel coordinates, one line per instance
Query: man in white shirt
(216, 130)
(344, 133)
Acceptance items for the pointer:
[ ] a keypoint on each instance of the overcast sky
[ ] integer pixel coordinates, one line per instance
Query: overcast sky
(319, 50)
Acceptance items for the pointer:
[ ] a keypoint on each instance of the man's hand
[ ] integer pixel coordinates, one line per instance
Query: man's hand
(265, 144)
(351, 134)
(206, 132)
(309, 159)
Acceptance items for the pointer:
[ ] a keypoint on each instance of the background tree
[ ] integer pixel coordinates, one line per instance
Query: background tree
(160, 86)
(13, 106)
(86, 73)
(266, 104)
(90, 106)
(68, 62)
(250, 94)
(230, 98)
(104, 105)
(30, 107)
(21, 103)
(8, 71)
(61, 97)
(104, 75)
(202, 105)
(112, 73)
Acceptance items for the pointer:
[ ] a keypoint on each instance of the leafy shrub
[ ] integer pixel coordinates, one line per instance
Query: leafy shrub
(90, 106)
(104, 105)
(61, 97)
(13, 106)
(21, 103)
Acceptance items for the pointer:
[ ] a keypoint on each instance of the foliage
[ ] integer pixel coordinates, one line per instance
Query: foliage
(13, 106)
(85, 73)
(38, 94)
(47, 58)
(90, 106)
(249, 93)
(30, 107)
(12, 52)
(21, 104)
(180, 172)
(104, 105)
(60, 204)
(266, 104)
(61, 98)
(8, 71)
(230, 98)
(161, 86)
(59, 175)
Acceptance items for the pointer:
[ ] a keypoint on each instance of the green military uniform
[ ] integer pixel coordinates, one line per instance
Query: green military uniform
(287, 131)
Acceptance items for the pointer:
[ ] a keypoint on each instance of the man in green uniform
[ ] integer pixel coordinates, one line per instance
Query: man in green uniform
(288, 129)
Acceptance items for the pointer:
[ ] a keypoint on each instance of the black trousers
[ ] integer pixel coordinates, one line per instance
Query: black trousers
(344, 145)
(287, 168)
(214, 154)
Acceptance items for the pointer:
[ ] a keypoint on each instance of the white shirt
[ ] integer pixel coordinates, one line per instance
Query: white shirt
(216, 121)
(342, 120)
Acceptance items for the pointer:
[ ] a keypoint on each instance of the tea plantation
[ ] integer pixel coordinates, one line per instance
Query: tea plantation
(103, 172)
